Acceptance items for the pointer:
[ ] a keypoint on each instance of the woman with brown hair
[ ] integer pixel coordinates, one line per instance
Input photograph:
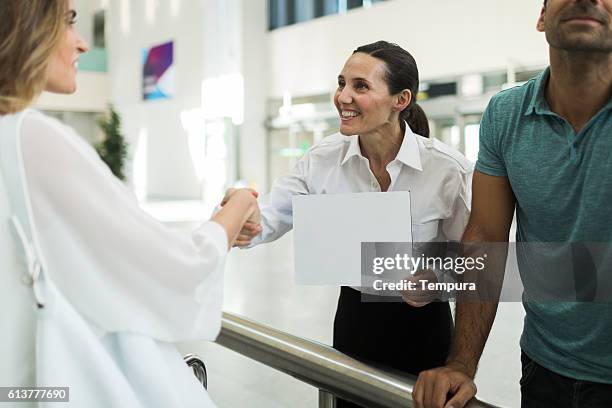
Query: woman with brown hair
(383, 145)
(109, 271)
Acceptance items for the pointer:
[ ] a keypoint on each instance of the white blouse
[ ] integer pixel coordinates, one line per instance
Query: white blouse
(120, 268)
(438, 178)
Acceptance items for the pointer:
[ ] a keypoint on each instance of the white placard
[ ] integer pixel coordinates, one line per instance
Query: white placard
(329, 229)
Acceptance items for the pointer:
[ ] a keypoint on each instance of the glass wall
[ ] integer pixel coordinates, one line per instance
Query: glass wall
(351, 4)
(294, 126)
(326, 7)
(282, 13)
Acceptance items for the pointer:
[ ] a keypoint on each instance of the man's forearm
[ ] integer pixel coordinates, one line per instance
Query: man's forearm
(473, 321)
(474, 316)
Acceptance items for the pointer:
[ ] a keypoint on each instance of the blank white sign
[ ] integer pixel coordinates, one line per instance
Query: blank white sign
(328, 230)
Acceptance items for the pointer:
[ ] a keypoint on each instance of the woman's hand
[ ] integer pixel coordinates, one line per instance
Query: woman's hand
(252, 227)
(238, 208)
(419, 297)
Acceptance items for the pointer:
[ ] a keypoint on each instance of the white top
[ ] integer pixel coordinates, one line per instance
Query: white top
(120, 268)
(438, 178)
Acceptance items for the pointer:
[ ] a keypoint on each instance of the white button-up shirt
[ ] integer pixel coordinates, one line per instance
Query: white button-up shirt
(438, 178)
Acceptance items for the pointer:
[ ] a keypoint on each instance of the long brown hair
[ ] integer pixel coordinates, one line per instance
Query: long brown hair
(29, 32)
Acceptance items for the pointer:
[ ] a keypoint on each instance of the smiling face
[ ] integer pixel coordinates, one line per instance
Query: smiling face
(578, 25)
(62, 68)
(362, 98)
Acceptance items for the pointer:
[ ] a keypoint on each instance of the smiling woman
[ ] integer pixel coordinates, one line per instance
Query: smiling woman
(380, 72)
(383, 145)
(63, 62)
(94, 314)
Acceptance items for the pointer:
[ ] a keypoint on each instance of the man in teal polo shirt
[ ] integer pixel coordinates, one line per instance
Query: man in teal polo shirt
(546, 149)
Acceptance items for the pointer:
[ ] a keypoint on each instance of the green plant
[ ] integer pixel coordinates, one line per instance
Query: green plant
(113, 149)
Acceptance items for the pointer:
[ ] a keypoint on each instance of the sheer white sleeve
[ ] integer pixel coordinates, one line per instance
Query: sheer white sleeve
(123, 270)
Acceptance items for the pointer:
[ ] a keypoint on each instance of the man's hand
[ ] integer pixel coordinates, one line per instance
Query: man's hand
(433, 387)
(253, 225)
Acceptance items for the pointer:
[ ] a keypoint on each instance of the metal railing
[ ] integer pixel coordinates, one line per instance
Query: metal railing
(333, 373)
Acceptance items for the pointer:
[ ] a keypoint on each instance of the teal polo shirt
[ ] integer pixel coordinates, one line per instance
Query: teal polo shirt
(562, 182)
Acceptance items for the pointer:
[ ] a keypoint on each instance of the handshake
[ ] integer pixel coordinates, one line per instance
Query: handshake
(252, 225)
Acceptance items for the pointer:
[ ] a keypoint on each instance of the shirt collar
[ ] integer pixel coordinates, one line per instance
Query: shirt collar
(353, 150)
(538, 103)
(409, 152)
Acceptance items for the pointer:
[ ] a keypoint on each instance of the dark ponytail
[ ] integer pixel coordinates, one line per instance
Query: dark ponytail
(416, 118)
(402, 73)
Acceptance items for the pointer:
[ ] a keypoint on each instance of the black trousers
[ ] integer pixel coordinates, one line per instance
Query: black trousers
(542, 388)
(393, 334)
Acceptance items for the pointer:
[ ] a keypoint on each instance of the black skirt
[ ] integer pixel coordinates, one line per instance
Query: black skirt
(392, 334)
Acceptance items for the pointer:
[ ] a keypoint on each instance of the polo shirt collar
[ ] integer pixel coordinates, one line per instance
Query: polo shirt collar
(409, 152)
(538, 103)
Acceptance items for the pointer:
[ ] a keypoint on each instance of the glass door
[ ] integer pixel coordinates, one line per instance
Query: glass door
(470, 128)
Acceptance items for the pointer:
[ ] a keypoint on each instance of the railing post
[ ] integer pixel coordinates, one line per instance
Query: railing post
(326, 400)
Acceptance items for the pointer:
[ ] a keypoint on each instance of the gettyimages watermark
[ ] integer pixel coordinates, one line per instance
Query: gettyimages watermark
(422, 263)
(422, 272)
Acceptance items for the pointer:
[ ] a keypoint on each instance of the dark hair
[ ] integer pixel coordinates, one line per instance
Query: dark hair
(401, 73)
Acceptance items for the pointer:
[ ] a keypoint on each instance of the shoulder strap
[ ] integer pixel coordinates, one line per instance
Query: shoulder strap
(11, 163)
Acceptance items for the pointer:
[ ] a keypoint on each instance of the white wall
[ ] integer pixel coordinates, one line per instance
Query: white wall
(208, 37)
(131, 28)
(85, 12)
(446, 37)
